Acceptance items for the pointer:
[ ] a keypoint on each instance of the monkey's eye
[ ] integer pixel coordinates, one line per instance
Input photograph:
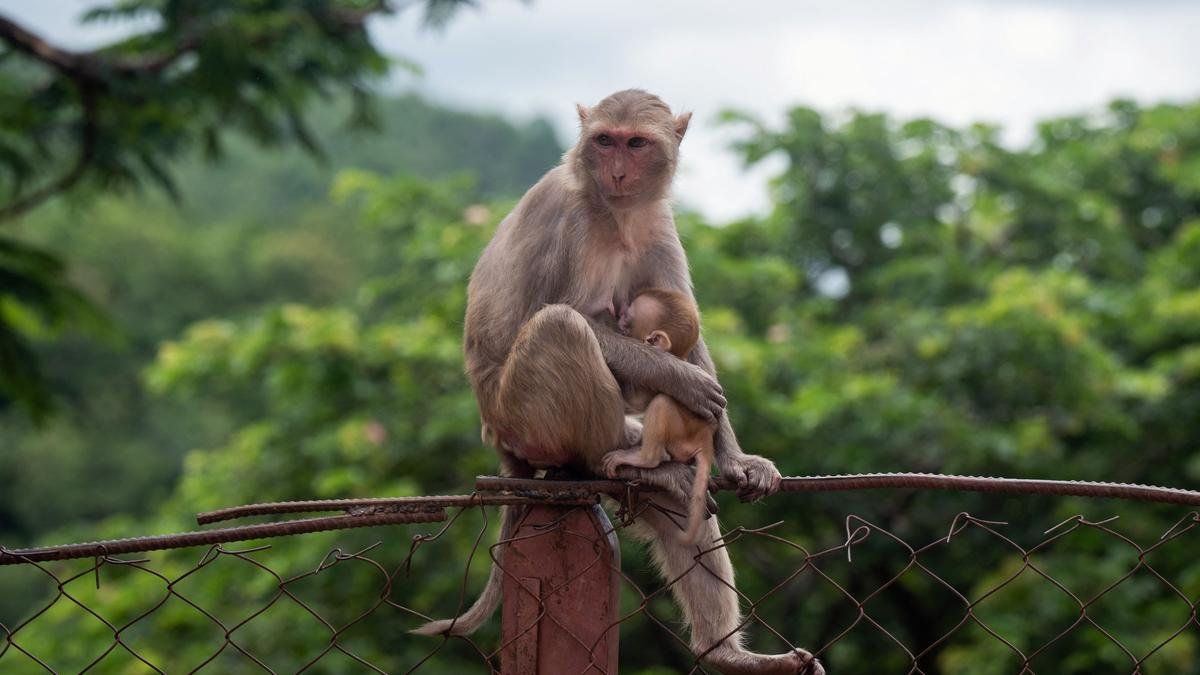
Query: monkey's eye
(638, 142)
(604, 139)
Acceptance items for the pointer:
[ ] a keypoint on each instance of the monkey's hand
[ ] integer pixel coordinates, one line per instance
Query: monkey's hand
(756, 477)
(697, 390)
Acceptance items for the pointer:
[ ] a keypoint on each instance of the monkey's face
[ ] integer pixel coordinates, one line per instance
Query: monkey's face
(628, 147)
(642, 317)
(629, 164)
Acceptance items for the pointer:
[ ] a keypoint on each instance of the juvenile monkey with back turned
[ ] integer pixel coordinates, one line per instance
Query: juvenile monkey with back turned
(667, 320)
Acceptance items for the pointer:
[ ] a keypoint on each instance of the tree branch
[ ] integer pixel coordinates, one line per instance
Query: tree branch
(90, 65)
(89, 135)
(93, 73)
(67, 62)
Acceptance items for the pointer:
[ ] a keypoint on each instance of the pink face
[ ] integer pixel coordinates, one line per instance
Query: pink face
(625, 158)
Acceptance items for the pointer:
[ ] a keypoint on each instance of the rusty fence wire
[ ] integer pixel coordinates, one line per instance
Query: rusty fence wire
(864, 594)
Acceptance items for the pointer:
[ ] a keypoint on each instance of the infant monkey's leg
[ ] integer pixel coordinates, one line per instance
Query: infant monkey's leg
(656, 434)
(697, 511)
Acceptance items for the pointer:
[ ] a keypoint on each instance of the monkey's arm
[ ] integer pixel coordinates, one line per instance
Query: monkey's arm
(637, 365)
(756, 476)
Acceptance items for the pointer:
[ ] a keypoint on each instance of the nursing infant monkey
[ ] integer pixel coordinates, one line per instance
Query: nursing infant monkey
(551, 372)
(667, 320)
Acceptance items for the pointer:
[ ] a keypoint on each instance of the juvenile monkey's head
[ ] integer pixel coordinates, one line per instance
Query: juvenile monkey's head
(628, 148)
(665, 319)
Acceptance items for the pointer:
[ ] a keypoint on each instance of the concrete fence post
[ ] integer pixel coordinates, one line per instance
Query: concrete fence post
(561, 593)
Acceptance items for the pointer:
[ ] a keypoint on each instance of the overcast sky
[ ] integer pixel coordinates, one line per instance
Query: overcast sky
(1008, 62)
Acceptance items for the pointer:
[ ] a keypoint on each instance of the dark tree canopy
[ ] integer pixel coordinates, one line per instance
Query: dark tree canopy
(111, 119)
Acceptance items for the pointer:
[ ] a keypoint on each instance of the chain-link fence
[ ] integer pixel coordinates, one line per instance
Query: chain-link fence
(979, 597)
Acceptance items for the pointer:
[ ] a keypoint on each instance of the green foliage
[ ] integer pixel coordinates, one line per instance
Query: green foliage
(1027, 312)
(123, 114)
(1020, 313)
(411, 134)
(351, 399)
(256, 233)
(110, 120)
(35, 302)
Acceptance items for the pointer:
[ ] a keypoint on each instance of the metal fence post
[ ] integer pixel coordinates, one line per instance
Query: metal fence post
(561, 593)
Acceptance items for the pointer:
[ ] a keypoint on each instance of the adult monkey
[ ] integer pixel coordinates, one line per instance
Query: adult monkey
(548, 367)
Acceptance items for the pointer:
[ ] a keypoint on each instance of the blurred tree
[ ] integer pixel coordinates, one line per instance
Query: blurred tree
(35, 299)
(362, 398)
(109, 119)
(1023, 312)
(259, 232)
(1019, 312)
(115, 116)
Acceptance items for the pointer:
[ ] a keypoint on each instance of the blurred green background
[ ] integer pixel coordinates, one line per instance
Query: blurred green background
(254, 291)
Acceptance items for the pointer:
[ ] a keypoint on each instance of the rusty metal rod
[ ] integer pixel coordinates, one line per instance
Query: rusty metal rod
(875, 481)
(400, 510)
(540, 486)
(1022, 486)
(375, 505)
(209, 537)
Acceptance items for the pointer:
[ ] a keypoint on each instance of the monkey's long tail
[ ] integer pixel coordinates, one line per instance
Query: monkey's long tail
(699, 499)
(468, 621)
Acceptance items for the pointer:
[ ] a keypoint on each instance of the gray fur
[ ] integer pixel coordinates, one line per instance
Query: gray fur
(548, 369)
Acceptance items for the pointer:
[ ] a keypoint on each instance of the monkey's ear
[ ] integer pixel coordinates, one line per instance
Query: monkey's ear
(659, 339)
(583, 112)
(681, 125)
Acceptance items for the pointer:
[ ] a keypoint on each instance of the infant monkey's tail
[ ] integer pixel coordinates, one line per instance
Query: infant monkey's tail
(698, 507)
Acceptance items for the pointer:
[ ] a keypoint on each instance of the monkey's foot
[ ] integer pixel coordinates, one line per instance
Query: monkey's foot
(809, 665)
(613, 461)
(610, 463)
(742, 662)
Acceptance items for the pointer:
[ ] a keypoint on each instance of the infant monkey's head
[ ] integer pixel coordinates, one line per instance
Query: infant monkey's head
(665, 319)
